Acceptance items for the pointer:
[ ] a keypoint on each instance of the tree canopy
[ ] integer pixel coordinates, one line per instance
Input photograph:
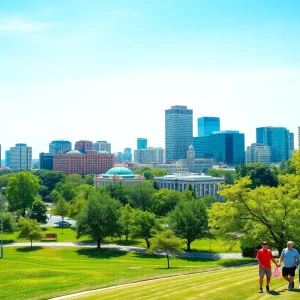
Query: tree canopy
(189, 220)
(21, 191)
(39, 211)
(99, 217)
(29, 229)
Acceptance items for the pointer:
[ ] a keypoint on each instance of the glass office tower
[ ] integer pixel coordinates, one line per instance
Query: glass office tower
(207, 125)
(141, 143)
(226, 147)
(178, 132)
(278, 138)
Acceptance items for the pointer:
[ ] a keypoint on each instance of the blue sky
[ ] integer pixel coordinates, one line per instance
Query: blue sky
(108, 69)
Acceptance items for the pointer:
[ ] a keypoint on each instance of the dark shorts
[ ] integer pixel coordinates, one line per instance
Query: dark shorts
(288, 271)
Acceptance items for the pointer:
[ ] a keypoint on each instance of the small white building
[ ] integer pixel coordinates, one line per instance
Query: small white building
(202, 184)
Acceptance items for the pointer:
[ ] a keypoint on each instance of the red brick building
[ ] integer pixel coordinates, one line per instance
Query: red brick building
(83, 162)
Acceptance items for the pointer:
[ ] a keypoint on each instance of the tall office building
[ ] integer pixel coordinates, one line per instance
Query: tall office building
(178, 132)
(223, 146)
(150, 155)
(278, 138)
(142, 143)
(59, 146)
(207, 125)
(83, 146)
(20, 157)
(7, 158)
(102, 146)
(0, 157)
(46, 161)
(127, 155)
(258, 153)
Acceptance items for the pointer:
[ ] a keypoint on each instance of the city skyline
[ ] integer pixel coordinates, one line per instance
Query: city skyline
(108, 71)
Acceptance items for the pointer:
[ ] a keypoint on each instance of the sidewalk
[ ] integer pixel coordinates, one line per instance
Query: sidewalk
(125, 248)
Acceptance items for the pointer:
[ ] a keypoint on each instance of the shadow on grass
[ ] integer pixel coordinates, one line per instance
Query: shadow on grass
(236, 262)
(29, 249)
(8, 241)
(274, 293)
(100, 253)
(124, 242)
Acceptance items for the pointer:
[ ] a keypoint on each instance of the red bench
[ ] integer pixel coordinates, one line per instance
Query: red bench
(49, 236)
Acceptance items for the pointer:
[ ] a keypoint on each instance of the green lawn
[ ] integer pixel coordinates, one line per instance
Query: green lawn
(232, 284)
(42, 273)
(69, 235)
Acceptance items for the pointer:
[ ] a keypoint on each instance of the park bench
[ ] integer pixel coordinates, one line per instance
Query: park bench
(49, 236)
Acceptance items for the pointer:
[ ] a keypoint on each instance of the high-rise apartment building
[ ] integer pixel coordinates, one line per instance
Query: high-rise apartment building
(150, 155)
(20, 157)
(258, 153)
(102, 146)
(223, 146)
(178, 132)
(278, 138)
(59, 146)
(142, 143)
(207, 125)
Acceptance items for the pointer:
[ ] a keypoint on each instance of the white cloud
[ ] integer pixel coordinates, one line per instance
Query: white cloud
(21, 25)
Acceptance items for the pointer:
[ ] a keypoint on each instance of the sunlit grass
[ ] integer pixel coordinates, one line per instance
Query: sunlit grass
(42, 273)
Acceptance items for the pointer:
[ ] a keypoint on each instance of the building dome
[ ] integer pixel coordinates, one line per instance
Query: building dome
(74, 152)
(119, 171)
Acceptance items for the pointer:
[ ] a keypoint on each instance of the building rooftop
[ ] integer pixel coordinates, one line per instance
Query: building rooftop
(74, 152)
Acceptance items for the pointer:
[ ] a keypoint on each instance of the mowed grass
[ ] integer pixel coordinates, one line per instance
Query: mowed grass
(43, 273)
(69, 235)
(233, 283)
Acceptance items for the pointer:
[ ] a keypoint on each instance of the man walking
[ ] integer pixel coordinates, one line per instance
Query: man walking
(264, 257)
(290, 258)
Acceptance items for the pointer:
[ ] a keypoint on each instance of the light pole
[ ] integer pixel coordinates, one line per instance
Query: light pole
(1, 251)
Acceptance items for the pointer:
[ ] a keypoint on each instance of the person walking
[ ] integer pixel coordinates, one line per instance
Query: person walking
(290, 258)
(264, 257)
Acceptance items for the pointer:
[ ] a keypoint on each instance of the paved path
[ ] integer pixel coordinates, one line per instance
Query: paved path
(124, 248)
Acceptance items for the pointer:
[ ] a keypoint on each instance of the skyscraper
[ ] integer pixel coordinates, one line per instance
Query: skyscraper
(102, 146)
(178, 131)
(20, 157)
(278, 138)
(150, 155)
(127, 155)
(59, 146)
(141, 143)
(258, 153)
(207, 125)
(7, 158)
(226, 146)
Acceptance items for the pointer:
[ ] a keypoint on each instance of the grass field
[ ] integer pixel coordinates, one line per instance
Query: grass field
(69, 235)
(234, 283)
(42, 273)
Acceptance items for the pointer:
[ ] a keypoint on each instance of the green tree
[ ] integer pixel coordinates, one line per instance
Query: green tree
(118, 192)
(189, 220)
(229, 175)
(4, 171)
(143, 225)
(76, 207)
(4, 179)
(61, 208)
(263, 213)
(9, 223)
(21, 191)
(140, 195)
(29, 229)
(259, 173)
(167, 242)
(39, 211)
(126, 219)
(150, 173)
(50, 178)
(209, 200)
(164, 200)
(67, 190)
(99, 217)
(43, 192)
(89, 179)
(54, 196)
(192, 190)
